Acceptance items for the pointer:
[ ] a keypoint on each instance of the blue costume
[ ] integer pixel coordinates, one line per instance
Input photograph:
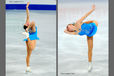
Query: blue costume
(88, 29)
(33, 35)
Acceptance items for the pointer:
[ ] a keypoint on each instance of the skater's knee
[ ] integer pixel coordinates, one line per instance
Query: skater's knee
(96, 22)
(32, 24)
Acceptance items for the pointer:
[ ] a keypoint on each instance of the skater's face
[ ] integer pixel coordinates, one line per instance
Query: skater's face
(70, 27)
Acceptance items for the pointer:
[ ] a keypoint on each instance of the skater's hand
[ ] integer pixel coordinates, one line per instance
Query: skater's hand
(93, 7)
(27, 4)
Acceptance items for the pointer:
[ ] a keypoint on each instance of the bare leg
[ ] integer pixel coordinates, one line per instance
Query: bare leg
(90, 47)
(28, 57)
(30, 46)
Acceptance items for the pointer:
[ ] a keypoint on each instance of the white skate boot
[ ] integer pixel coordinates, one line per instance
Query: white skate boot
(90, 67)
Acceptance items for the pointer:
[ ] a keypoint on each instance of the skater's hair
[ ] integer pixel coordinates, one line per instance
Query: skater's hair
(68, 28)
(24, 27)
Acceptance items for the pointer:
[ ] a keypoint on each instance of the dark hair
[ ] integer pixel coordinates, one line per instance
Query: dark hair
(24, 27)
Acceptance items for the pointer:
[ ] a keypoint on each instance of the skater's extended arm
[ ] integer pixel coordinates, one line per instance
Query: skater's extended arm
(71, 33)
(27, 12)
(86, 15)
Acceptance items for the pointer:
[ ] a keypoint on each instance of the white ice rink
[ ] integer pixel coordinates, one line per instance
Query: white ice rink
(73, 51)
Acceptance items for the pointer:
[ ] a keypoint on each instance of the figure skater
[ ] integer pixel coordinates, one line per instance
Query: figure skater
(88, 28)
(31, 37)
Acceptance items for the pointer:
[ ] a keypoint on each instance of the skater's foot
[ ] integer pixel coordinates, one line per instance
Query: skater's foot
(90, 67)
(28, 70)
